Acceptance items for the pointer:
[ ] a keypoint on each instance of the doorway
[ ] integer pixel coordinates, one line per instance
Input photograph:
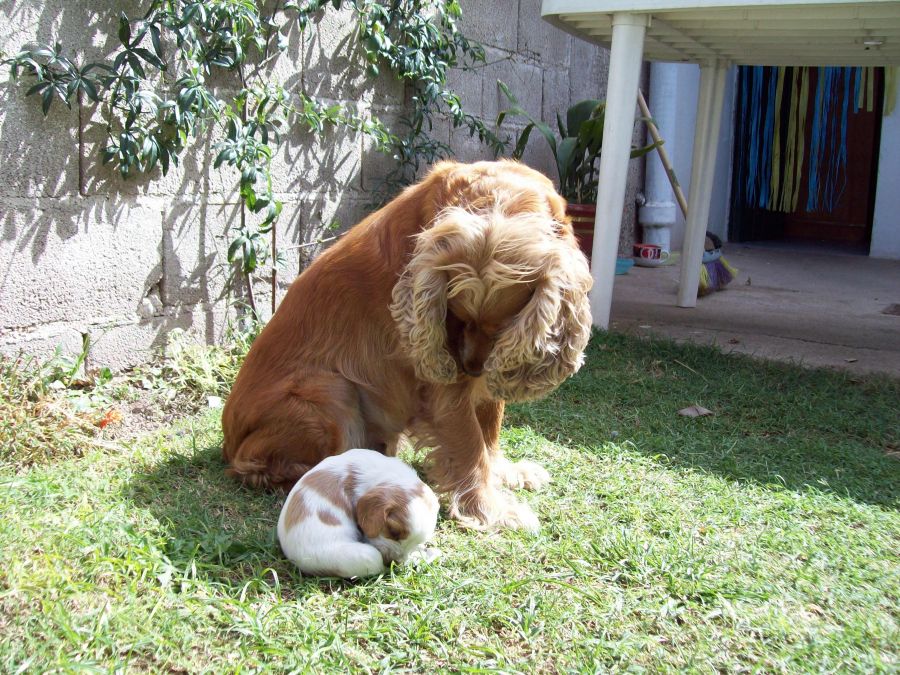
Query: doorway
(806, 156)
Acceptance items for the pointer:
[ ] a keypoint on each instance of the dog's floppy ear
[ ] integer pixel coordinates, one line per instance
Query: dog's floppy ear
(381, 512)
(546, 343)
(419, 308)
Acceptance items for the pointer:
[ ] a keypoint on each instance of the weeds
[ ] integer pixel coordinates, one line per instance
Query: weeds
(190, 375)
(53, 409)
(38, 422)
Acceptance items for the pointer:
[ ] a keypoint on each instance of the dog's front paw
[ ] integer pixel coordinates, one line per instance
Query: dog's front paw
(519, 516)
(489, 508)
(523, 474)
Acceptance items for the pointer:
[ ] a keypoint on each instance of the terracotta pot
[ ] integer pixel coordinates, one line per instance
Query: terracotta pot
(582, 216)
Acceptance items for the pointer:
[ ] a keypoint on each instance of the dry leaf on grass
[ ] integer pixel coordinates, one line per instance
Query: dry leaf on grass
(695, 411)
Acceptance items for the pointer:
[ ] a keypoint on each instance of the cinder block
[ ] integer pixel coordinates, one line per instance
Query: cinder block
(61, 167)
(306, 228)
(440, 132)
(42, 343)
(194, 252)
(38, 155)
(307, 162)
(538, 39)
(524, 81)
(468, 148)
(375, 165)
(74, 259)
(125, 345)
(291, 248)
(327, 215)
(86, 33)
(334, 63)
(121, 346)
(286, 67)
(289, 239)
(188, 174)
(467, 84)
(539, 156)
(491, 24)
(556, 97)
(588, 68)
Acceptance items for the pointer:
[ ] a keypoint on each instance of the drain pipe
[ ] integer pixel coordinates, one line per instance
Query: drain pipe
(657, 216)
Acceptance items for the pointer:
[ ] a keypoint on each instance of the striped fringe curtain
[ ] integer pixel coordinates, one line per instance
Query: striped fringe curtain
(773, 119)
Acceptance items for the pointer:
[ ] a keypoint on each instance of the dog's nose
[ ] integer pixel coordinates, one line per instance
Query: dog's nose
(473, 371)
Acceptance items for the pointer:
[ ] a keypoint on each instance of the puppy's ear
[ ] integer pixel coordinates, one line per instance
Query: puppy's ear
(381, 512)
(371, 512)
(395, 522)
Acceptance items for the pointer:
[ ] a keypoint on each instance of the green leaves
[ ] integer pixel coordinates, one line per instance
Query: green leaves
(419, 41)
(248, 248)
(124, 29)
(150, 119)
(57, 77)
(576, 149)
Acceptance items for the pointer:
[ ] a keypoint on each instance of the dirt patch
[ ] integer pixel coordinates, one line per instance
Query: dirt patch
(144, 412)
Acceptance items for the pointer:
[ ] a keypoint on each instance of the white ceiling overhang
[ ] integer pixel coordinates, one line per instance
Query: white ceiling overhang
(748, 32)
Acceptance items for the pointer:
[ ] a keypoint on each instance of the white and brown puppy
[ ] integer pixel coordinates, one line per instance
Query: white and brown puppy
(353, 514)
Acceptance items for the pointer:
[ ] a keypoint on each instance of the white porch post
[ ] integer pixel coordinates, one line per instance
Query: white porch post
(626, 52)
(706, 135)
(658, 215)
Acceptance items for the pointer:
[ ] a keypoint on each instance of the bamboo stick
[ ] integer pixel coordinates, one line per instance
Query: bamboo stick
(663, 155)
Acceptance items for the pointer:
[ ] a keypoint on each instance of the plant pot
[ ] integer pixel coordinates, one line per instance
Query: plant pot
(582, 216)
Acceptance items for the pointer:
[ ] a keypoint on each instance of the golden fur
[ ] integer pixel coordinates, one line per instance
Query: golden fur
(465, 291)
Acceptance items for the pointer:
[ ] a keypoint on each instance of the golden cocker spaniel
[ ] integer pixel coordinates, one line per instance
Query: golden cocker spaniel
(466, 291)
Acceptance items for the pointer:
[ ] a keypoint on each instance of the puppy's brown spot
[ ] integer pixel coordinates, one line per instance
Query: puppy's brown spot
(427, 494)
(328, 518)
(349, 485)
(297, 511)
(384, 512)
(329, 486)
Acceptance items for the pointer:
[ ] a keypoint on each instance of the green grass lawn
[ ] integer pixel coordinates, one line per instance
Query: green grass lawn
(763, 538)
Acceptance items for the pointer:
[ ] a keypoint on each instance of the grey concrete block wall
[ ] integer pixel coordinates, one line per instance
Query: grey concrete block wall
(83, 252)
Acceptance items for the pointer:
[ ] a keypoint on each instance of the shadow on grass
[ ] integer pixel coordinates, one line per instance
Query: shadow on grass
(218, 530)
(773, 424)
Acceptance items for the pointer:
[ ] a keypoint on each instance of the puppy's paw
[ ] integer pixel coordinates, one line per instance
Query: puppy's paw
(424, 555)
(523, 474)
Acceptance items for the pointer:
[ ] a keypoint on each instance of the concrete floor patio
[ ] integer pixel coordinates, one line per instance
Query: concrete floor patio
(812, 307)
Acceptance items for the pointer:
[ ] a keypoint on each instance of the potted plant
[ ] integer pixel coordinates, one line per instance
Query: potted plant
(576, 149)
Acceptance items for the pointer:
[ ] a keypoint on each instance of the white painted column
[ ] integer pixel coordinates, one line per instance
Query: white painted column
(706, 138)
(658, 214)
(885, 224)
(625, 57)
